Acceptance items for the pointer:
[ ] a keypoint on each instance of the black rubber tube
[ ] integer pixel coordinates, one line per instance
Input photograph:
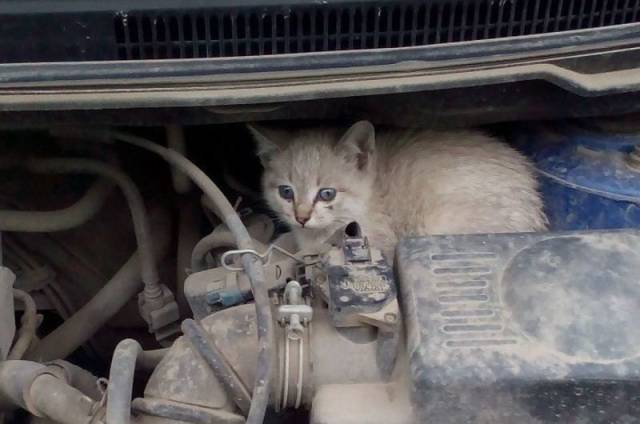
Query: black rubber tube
(120, 389)
(14, 377)
(55, 399)
(218, 363)
(135, 202)
(151, 358)
(32, 386)
(28, 325)
(252, 265)
(104, 305)
(77, 377)
(205, 245)
(126, 357)
(174, 411)
(58, 220)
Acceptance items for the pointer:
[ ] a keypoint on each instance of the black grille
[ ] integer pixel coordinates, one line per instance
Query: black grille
(367, 25)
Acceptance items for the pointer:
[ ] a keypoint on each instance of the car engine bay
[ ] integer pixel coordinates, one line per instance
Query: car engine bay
(150, 284)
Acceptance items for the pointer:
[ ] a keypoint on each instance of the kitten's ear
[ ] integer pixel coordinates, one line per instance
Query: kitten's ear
(269, 141)
(359, 142)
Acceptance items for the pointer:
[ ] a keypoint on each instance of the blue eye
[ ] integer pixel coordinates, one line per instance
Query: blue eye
(286, 192)
(326, 194)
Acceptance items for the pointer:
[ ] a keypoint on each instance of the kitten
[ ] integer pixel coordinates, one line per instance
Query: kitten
(396, 183)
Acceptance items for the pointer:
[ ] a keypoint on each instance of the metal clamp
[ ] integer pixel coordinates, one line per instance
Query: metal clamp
(294, 315)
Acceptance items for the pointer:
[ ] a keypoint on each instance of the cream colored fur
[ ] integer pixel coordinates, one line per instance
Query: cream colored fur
(398, 182)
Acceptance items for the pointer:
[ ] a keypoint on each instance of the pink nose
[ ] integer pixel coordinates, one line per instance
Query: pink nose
(302, 219)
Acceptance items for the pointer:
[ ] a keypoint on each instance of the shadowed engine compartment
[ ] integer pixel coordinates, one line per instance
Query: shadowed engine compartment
(152, 284)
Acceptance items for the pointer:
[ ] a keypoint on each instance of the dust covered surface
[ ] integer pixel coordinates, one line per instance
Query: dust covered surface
(532, 327)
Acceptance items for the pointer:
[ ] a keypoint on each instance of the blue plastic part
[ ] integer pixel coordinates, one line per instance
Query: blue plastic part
(225, 298)
(585, 179)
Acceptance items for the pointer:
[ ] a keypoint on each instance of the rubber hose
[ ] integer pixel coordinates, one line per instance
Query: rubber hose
(126, 356)
(252, 265)
(119, 392)
(134, 199)
(28, 325)
(58, 220)
(82, 325)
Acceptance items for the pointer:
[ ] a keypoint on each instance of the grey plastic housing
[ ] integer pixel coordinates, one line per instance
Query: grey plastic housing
(523, 328)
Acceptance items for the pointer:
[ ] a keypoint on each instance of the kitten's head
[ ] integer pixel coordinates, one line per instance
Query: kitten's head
(317, 179)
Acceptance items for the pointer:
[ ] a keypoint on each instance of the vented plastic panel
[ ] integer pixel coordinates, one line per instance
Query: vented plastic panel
(523, 328)
(257, 31)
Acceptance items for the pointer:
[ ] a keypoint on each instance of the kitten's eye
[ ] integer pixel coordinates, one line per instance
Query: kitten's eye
(327, 194)
(286, 192)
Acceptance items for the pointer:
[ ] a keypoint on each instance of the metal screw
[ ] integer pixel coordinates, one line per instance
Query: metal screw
(389, 317)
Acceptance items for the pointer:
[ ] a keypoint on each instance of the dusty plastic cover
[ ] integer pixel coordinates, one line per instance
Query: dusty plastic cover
(523, 328)
(7, 319)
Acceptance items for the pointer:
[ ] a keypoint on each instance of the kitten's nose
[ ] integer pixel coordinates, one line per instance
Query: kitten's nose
(303, 213)
(303, 219)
